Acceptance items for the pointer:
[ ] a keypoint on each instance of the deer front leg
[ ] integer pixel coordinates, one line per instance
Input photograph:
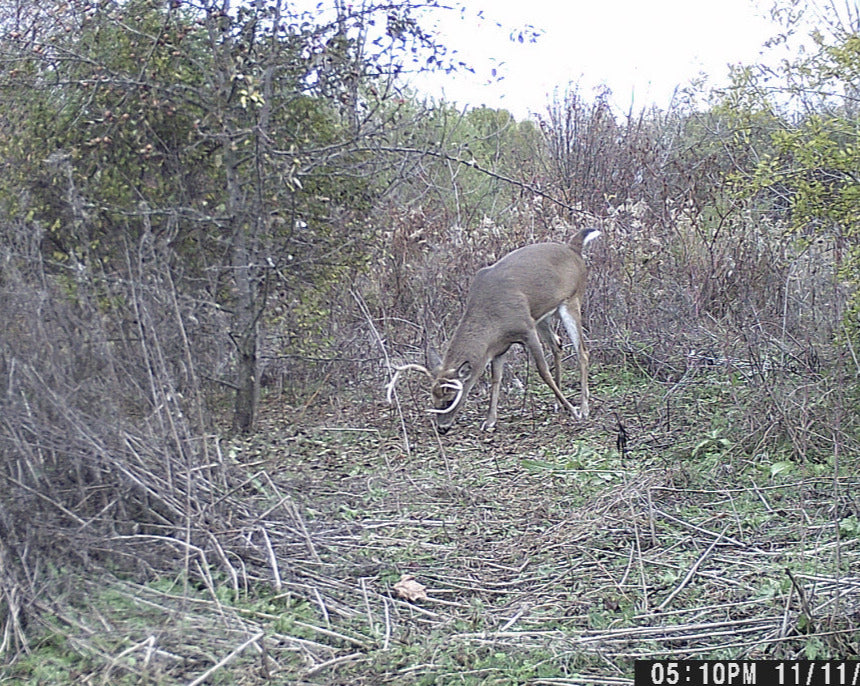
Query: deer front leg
(497, 366)
(533, 344)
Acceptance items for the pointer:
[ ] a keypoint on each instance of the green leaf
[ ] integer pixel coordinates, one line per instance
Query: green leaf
(782, 467)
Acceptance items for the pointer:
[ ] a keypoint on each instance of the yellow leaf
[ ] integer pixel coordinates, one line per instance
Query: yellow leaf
(410, 589)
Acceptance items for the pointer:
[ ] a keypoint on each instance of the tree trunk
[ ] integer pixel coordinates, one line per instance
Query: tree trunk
(246, 332)
(246, 318)
(247, 393)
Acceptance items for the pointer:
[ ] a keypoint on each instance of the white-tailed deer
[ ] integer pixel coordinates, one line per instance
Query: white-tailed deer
(510, 302)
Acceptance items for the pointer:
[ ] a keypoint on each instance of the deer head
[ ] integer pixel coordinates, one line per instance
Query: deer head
(450, 387)
(513, 301)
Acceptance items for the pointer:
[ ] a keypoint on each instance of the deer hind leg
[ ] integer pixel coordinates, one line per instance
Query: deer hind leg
(553, 342)
(497, 366)
(571, 317)
(534, 347)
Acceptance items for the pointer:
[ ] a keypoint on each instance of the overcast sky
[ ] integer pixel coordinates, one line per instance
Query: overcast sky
(641, 49)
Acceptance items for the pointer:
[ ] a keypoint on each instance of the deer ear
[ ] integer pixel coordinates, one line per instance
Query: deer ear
(434, 362)
(465, 370)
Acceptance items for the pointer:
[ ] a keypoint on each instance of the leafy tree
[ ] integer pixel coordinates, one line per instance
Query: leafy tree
(811, 170)
(244, 138)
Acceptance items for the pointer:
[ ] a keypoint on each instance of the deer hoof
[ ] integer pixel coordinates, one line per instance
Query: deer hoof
(489, 427)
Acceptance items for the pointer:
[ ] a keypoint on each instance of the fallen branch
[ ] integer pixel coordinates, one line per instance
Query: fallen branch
(232, 656)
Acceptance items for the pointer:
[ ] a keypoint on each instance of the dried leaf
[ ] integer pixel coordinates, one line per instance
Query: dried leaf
(410, 589)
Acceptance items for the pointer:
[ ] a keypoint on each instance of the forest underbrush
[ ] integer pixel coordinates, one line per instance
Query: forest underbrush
(551, 551)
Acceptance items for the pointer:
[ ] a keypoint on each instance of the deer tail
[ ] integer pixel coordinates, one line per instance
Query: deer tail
(583, 238)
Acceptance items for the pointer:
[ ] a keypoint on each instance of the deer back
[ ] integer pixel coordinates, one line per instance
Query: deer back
(531, 281)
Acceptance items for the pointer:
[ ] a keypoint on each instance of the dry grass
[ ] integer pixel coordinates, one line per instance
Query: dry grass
(546, 557)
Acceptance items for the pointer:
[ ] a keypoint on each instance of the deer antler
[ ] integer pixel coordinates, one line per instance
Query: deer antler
(389, 388)
(458, 386)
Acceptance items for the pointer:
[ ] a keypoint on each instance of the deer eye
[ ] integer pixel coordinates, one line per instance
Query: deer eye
(465, 370)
